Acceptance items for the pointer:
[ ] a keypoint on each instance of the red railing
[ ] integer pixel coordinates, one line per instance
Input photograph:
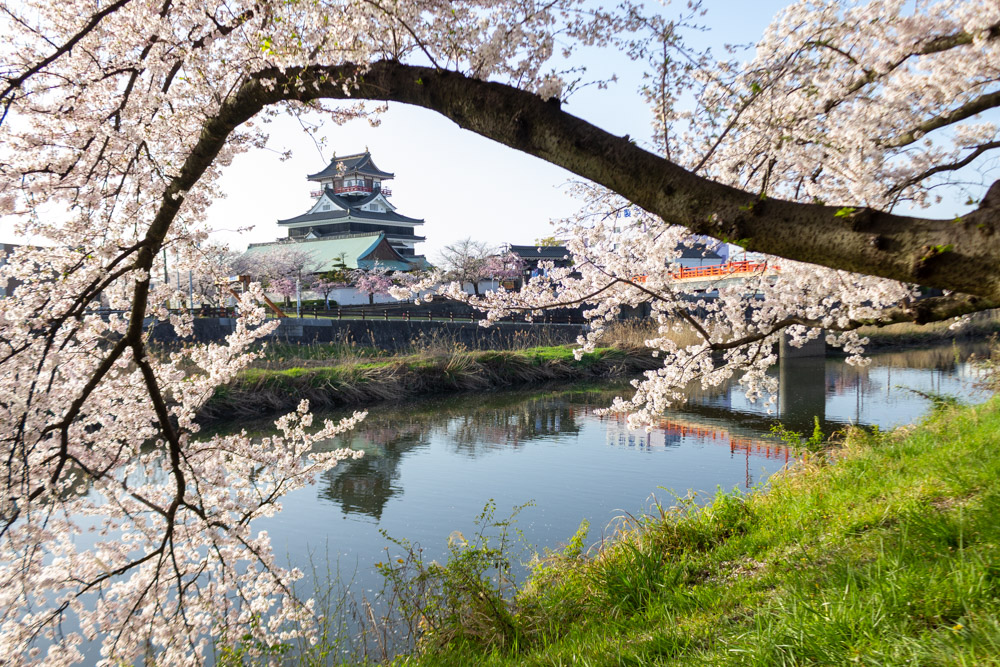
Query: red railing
(716, 271)
(344, 189)
(722, 436)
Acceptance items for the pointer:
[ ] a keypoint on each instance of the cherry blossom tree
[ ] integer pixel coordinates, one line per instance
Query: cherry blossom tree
(325, 285)
(122, 114)
(373, 282)
(504, 266)
(467, 261)
(336, 278)
(215, 267)
(284, 269)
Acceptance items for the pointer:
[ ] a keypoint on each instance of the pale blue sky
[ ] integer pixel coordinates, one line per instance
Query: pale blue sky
(459, 183)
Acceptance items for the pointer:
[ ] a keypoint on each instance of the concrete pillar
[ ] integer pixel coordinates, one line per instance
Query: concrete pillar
(802, 385)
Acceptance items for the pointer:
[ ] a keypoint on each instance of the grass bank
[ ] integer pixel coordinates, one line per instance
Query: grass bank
(360, 377)
(886, 556)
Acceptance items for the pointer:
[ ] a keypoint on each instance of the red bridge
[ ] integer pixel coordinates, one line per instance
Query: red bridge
(727, 270)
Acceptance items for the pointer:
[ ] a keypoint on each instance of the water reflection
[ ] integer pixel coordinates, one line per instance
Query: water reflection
(479, 426)
(887, 392)
(365, 485)
(431, 465)
(514, 425)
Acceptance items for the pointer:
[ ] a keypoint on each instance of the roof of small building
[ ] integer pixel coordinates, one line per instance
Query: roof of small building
(698, 251)
(360, 163)
(554, 252)
(358, 251)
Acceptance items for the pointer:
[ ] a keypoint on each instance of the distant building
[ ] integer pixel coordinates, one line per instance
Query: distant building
(700, 254)
(6, 287)
(351, 200)
(531, 255)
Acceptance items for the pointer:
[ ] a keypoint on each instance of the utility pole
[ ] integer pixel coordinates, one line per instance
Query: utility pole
(166, 275)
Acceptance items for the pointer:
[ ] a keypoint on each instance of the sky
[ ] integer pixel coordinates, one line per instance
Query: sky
(459, 183)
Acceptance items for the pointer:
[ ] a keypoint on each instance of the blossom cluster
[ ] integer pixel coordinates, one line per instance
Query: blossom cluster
(117, 515)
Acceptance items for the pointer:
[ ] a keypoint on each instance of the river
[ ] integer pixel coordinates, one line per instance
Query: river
(430, 466)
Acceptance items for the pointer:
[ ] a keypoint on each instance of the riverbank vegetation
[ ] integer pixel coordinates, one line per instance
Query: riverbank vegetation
(881, 551)
(349, 372)
(352, 373)
(360, 379)
(905, 334)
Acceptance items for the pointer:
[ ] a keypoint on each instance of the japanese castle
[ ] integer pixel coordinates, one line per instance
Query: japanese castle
(352, 220)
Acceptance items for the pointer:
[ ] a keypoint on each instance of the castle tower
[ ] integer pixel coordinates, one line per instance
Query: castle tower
(352, 199)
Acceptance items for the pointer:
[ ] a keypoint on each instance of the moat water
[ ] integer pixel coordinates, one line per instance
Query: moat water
(431, 466)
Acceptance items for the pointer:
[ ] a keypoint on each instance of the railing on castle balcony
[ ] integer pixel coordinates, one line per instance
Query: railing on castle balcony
(353, 189)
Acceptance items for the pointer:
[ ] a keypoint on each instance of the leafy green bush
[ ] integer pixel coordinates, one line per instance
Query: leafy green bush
(469, 598)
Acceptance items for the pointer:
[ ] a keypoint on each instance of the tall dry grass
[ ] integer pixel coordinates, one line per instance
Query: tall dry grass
(633, 334)
(980, 325)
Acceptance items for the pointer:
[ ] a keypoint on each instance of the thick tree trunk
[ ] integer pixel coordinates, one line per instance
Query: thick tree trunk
(961, 254)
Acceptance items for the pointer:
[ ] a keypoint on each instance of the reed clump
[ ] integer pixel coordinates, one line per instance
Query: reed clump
(633, 334)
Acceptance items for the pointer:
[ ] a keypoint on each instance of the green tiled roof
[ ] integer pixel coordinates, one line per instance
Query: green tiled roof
(327, 252)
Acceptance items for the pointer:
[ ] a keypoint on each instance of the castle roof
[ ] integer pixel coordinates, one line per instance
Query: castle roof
(351, 209)
(359, 251)
(360, 163)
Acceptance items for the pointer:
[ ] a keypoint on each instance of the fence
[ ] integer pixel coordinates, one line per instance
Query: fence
(410, 314)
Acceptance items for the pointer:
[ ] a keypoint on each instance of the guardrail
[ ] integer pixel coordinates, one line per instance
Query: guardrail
(722, 270)
(390, 314)
(416, 315)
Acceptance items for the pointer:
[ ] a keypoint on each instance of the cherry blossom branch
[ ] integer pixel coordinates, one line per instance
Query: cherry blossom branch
(937, 45)
(864, 241)
(17, 81)
(941, 168)
(978, 105)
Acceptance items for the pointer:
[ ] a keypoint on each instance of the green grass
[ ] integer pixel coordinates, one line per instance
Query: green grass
(886, 556)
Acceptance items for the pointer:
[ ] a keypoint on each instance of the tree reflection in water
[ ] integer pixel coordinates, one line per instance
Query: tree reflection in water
(474, 425)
